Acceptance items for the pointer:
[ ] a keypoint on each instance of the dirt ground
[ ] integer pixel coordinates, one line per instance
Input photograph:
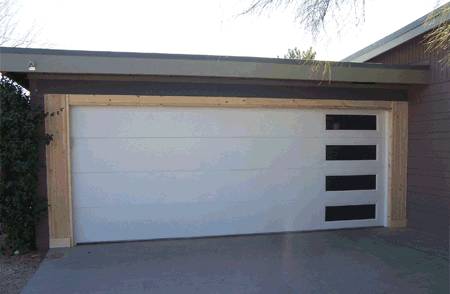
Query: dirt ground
(16, 271)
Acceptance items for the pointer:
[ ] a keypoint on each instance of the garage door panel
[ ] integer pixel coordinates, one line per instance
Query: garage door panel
(190, 220)
(145, 173)
(351, 197)
(107, 155)
(105, 189)
(188, 122)
(307, 219)
(381, 154)
(155, 221)
(348, 224)
(259, 185)
(163, 122)
(178, 220)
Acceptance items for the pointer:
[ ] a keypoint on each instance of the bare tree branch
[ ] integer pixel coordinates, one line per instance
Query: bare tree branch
(439, 38)
(315, 15)
(9, 23)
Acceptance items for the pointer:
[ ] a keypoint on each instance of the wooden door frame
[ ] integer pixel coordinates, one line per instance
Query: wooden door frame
(58, 152)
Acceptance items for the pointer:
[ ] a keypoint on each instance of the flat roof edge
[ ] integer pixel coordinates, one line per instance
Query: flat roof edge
(397, 38)
(88, 62)
(37, 52)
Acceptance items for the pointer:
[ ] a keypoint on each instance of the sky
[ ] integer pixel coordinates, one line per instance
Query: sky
(204, 27)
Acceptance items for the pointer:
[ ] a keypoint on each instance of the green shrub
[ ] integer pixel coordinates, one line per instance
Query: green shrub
(20, 206)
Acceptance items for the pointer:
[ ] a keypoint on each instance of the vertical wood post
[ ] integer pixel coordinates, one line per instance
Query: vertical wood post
(59, 210)
(398, 156)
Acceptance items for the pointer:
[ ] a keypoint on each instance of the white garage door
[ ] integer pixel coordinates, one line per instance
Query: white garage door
(146, 173)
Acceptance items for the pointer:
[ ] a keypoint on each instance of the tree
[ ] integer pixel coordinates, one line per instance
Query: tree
(300, 55)
(20, 206)
(315, 15)
(439, 38)
(10, 34)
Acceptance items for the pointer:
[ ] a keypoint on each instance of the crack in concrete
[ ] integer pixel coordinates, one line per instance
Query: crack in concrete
(290, 289)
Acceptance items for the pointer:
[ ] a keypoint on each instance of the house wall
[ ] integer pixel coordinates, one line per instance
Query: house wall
(40, 87)
(428, 196)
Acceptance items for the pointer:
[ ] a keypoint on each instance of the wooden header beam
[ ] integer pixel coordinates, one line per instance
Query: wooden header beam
(196, 101)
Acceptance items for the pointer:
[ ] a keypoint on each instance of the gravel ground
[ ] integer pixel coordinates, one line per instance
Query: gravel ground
(16, 271)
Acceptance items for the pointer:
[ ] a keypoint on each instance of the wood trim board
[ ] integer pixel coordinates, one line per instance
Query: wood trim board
(199, 101)
(60, 242)
(69, 177)
(398, 223)
(58, 152)
(60, 224)
(398, 157)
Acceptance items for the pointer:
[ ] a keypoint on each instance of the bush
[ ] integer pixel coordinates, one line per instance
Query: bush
(20, 206)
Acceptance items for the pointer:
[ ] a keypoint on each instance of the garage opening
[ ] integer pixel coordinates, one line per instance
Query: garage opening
(143, 173)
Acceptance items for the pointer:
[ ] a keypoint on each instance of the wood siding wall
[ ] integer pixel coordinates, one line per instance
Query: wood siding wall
(413, 52)
(428, 196)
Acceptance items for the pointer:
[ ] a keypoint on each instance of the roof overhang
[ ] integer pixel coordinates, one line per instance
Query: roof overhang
(16, 61)
(397, 38)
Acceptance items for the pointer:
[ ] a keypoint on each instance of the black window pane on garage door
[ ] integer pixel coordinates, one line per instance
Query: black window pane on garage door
(351, 183)
(350, 212)
(351, 122)
(351, 152)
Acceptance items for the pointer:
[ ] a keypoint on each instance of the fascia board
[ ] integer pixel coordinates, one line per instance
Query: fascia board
(340, 72)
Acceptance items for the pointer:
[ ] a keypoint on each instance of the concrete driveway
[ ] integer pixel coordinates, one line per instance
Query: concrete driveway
(371, 260)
